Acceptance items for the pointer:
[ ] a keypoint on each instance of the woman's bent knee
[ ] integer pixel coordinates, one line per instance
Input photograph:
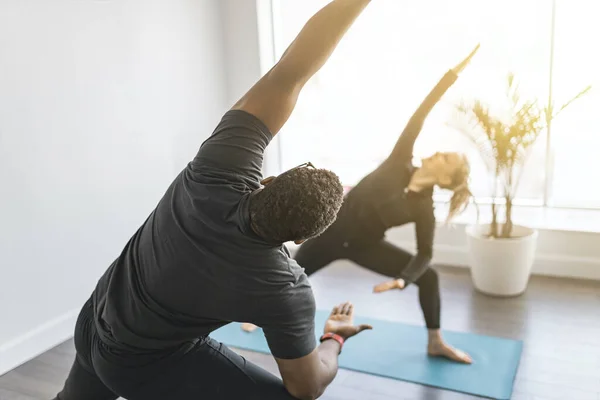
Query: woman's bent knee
(429, 279)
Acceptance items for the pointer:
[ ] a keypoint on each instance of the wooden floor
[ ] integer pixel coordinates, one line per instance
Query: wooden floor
(558, 319)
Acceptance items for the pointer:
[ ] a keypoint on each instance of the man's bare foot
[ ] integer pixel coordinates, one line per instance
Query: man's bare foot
(248, 327)
(441, 349)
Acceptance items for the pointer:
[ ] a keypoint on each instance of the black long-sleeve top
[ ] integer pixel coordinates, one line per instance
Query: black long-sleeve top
(381, 200)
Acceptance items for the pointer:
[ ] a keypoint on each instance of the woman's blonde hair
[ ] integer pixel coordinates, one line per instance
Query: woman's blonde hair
(460, 186)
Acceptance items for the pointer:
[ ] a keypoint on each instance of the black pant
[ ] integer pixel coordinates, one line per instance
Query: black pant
(200, 370)
(378, 256)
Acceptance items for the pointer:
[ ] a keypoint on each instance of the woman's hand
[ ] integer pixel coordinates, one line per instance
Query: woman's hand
(389, 285)
(459, 68)
(341, 322)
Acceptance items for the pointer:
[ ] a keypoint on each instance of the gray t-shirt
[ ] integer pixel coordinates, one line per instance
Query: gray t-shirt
(196, 265)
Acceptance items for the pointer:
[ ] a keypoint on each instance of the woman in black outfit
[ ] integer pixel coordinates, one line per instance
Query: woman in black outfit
(394, 194)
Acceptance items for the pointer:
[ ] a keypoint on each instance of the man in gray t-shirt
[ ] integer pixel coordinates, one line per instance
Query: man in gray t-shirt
(197, 264)
(212, 253)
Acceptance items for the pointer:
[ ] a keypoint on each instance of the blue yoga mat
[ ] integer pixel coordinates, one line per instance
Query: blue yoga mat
(398, 351)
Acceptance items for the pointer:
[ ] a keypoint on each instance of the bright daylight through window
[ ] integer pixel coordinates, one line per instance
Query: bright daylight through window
(352, 112)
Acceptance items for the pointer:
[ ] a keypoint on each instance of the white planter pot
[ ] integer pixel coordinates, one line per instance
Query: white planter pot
(501, 267)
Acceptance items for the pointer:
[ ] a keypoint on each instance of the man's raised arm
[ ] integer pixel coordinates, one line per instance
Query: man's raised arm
(273, 98)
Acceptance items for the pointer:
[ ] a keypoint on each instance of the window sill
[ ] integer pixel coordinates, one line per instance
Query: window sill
(546, 218)
(538, 217)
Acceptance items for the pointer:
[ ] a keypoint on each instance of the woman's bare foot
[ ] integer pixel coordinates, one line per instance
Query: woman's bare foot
(248, 327)
(444, 350)
(438, 348)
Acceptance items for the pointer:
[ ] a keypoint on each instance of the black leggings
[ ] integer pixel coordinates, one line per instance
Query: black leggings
(381, 257)
(203, 370)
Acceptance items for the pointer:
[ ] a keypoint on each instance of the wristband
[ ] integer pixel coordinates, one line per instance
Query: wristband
(335, 337)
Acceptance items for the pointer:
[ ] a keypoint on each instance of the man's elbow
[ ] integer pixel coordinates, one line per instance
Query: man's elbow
(305, 391)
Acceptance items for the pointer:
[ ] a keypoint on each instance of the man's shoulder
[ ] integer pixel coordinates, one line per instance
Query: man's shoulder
(207, 189)
(238, 126)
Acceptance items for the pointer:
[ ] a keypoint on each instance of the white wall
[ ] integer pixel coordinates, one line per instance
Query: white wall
(248, 55)
(101, 104)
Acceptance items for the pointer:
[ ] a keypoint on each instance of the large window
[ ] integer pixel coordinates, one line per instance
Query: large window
(575, 134)
(350, 115)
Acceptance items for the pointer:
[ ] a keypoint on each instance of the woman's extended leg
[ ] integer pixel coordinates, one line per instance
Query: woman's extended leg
(389, 260)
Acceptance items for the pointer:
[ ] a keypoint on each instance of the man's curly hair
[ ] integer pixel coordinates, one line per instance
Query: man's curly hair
(297, 205)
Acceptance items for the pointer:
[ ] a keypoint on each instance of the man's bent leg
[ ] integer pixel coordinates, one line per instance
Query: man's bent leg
(210, 370)
(253, 381)
(82, 381)
(81, 384)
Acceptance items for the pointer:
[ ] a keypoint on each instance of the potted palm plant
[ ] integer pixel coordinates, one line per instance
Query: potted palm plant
(501, 252)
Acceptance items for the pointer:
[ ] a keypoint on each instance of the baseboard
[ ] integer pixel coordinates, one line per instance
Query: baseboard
(36, 341)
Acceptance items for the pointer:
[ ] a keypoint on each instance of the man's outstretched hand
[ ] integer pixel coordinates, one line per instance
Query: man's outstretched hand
(341, 321)
(459, 68)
